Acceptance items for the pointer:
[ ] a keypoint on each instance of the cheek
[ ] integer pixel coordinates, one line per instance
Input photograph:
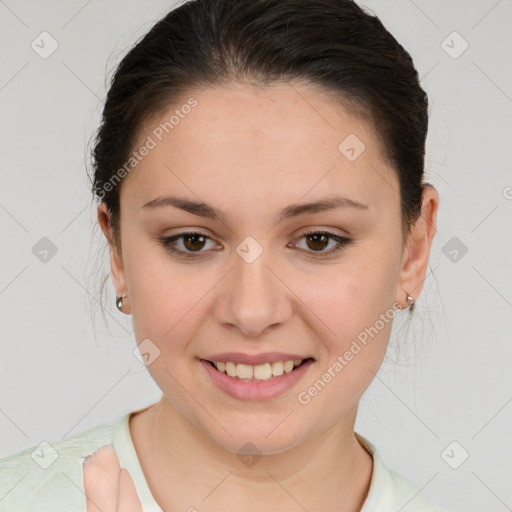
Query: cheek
(350, 296)
(354, 302)
(353, 319)
(169, 302)
(165, 296)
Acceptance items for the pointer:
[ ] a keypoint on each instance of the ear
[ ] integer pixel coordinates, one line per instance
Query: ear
(116, 260)
(417, 248)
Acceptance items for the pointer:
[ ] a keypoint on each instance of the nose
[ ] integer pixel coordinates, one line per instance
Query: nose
(253, 298)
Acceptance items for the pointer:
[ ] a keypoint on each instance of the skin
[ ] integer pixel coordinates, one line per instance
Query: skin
(251, 152)
(108, 487)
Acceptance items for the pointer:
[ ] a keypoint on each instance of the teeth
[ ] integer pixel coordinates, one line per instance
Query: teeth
(277, 368)
(230, 369)
(288, 366)
(259, 372)
(263, 371)
(245, 371)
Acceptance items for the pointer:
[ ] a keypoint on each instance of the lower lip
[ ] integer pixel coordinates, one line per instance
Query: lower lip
(255, 389)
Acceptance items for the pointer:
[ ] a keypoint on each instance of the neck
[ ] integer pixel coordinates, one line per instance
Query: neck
(330, 471)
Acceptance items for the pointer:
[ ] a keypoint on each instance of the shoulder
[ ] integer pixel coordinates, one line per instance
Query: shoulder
(390, 491)
(407, 495)
(48, 477)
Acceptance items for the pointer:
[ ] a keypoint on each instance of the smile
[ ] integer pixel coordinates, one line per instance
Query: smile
(263, 381)
(263, 371)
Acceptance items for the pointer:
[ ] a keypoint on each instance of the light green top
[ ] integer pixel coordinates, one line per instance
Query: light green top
(49, 478)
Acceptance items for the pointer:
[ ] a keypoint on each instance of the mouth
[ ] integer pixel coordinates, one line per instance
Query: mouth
(260, 372)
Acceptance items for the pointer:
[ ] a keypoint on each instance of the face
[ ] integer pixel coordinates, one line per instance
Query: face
(254, 285)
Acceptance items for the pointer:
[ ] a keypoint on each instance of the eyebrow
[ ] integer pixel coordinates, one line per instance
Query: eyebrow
(202, 209)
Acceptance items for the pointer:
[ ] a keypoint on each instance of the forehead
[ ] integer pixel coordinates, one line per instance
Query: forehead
(260, 144)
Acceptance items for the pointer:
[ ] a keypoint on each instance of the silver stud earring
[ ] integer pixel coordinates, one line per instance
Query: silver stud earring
(410, 301)
(119, 302)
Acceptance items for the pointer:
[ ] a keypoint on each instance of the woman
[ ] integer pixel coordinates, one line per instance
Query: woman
(259, 171)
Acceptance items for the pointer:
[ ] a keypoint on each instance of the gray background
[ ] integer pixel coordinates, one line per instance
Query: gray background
(62, 371)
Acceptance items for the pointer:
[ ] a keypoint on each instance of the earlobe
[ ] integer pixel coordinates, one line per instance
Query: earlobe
(116, 260)
(118, 274)
(416, 252)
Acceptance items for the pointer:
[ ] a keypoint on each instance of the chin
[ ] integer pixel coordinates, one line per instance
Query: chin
(256, 439)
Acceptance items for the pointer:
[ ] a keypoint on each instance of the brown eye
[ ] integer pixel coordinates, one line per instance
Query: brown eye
(192, 242)
(318, 241)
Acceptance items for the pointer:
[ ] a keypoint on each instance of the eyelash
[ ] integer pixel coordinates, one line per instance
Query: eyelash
(168, 242)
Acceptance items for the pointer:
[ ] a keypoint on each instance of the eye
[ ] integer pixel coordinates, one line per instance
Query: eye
(319, 240)
(193, 242)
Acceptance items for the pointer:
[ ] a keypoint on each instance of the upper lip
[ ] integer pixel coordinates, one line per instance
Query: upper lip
(254, 360)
